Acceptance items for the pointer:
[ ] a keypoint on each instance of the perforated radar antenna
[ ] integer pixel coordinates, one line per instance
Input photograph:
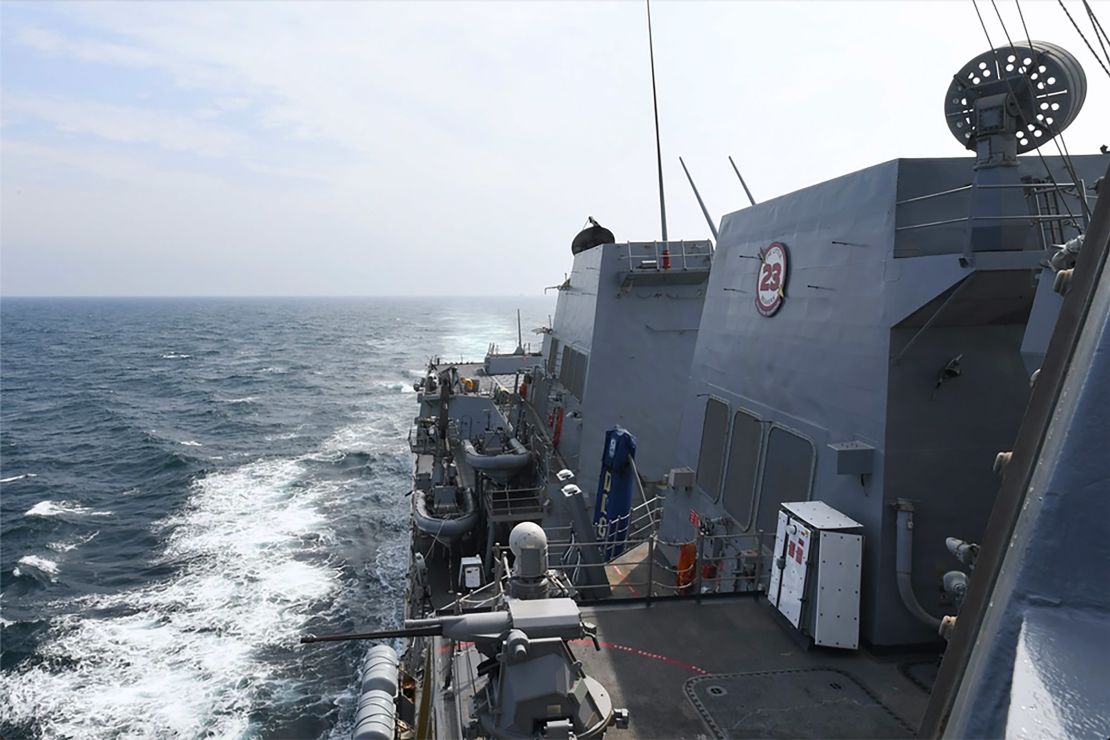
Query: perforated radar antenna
(1030, 92)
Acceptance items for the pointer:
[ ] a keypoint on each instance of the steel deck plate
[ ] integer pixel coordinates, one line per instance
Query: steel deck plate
(815, 702)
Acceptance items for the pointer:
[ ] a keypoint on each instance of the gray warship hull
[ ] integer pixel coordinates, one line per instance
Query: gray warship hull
(765, 488)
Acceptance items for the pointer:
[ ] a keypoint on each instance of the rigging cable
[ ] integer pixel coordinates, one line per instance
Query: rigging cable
(1001, 23)
(1100, 33)
(1065, 155)
(983, 25)
(1010, 89)
(1084, 37)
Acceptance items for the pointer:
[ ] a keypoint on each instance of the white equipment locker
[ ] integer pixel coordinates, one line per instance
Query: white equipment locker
(815, 576)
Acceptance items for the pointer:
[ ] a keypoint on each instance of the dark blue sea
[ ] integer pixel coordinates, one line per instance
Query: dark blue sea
(187, 486)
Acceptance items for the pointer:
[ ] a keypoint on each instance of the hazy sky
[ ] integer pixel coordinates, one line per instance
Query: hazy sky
(375, 148)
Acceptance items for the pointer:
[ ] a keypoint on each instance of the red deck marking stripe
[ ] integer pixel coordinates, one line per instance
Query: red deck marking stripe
(645, 654)
(624, 577)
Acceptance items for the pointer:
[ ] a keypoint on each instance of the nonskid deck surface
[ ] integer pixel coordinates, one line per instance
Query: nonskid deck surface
(729, 668)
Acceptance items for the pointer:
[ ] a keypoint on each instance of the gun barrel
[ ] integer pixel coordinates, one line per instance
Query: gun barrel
(430, 630)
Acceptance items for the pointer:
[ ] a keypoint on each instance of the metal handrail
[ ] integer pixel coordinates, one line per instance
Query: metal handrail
(995, 186)
(691, 580)
(1029, 217)
(684, 255)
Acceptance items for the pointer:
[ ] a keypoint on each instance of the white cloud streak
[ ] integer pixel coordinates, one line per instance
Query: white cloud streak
(127, 124)
(371, 132)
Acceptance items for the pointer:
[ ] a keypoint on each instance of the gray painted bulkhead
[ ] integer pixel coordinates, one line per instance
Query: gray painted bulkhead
(643, 343)
(845, 359)
(572, 326)
(637, 325)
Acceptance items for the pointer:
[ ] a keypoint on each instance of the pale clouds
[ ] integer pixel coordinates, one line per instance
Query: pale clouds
(437, 147)
(127, 124)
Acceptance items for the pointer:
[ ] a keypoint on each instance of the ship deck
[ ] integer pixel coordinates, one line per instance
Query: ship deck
(728, 667)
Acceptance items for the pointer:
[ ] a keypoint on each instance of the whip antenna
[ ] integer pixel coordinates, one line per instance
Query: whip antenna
(519, 335)
(742, 183)
(704, 210)
(658, 147)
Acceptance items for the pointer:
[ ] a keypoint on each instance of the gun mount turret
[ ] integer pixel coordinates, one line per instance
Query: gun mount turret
(534, 684)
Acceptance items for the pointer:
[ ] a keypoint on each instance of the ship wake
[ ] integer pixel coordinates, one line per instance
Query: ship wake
(252, 558)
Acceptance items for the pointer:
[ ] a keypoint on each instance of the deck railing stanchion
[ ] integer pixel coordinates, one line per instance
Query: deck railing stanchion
(758, 561)
(697, 566)
(651, 568)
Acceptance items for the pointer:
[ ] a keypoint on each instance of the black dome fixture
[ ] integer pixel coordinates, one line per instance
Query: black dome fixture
(592, 236)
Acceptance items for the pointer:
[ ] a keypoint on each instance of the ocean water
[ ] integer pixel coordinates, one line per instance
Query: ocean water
(187, 486)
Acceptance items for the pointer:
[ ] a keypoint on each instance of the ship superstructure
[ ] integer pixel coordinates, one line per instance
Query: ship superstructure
(745, 487)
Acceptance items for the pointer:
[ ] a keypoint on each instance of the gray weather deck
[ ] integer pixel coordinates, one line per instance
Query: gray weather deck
(650, 653)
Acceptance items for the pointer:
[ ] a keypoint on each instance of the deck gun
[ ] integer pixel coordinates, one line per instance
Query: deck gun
(533, 678)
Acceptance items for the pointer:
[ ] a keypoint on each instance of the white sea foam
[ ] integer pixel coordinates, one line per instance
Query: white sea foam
(244, 399)
(284, 435)
(183, 656)
(62, 509)
(366, 437)
(191, 443)
(175, 356)
(36, 566)
(14, 478)
(397, 386)
(67, 545)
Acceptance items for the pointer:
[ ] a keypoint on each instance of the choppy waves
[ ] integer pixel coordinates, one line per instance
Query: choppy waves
(14, 478)
(35, 566)
(64, 510)
(155, 584)
(187, 655)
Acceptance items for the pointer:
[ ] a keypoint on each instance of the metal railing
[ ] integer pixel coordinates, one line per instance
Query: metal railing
(419, 443)
(649, 255)
(514, 503)
(1036, 190)
(708, 564)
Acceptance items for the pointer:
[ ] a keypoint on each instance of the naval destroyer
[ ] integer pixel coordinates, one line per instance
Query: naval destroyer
(842, 473)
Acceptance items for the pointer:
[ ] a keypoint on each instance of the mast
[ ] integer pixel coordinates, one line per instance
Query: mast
(658, 146)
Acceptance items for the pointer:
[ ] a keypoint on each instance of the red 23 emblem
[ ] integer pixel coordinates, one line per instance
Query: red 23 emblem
(771, 277)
